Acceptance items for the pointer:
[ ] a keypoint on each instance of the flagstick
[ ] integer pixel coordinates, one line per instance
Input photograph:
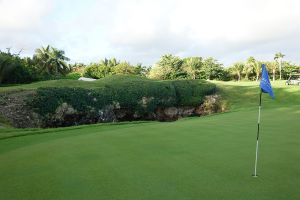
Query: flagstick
(257, 136)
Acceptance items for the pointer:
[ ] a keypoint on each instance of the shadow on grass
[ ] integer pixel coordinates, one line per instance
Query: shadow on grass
(6, 133)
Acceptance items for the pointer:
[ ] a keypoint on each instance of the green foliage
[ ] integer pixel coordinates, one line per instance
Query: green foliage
(52, 61)
(272, 68)
(77, 67)
(168, 67)
(278, 58)
(141, 70)
(289, 68)
(171, 67)
(237, 70)
(192, 66)
(192, 93)
(109, 62)
(111, 67)
(252, 69)
(123, 68)
(126, 91)
(211, 69)
(49, 63)
(97, 71)
(73, 75)
(13, 69)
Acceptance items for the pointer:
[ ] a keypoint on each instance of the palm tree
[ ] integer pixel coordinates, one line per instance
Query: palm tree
(272, 66)
(249, 67)
(257, 69)
(109, 62)
(237, 69)
(255, 65)
(278, 58)
(52, 60)
(59, 61)
(113, 62)
(42, 55)
(104, 62)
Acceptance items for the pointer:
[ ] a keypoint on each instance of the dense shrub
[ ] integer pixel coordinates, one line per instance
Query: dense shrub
(97, 71)
(134, 93)
(192, 92)
(13, 69)
(113, 67)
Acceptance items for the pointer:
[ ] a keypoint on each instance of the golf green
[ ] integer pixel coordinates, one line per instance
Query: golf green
(209, 157)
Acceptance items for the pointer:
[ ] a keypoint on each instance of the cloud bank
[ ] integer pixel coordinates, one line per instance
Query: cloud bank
(143, 30)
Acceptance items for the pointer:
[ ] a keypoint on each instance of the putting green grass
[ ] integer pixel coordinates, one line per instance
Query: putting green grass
(209, 157)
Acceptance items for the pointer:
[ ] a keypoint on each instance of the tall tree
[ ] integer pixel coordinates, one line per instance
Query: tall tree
(192, 66)
(7, 65)
(272, 66)
(52, 60)
(278, 58)
(211, 69)
(237, 69)
(249, 67)
(168, 67)
(139, 69)
(109, 62)
(113, 62)
(14, 69)
(123, 68)
(289, 68)
(257, 69)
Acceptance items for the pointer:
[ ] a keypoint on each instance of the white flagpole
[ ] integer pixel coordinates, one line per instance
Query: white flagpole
(257, 136)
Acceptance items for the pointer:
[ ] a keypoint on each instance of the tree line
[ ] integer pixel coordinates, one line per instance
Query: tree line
(47, 63)
(51, 63)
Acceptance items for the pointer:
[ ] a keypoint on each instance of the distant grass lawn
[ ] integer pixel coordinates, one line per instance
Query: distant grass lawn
(116, 79)
(195, 158)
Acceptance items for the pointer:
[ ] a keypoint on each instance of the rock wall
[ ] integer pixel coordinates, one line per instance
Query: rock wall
(13, 107)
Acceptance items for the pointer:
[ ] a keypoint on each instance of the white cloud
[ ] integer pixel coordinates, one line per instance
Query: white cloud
(22, 23)
(216, 27)
(18, 15)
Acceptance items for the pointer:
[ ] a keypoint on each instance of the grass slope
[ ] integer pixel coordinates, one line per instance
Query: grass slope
(197, 158)
(66, 83)
(110, 80)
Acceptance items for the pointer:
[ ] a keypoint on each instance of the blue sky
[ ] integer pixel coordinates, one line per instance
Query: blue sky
(140, 31)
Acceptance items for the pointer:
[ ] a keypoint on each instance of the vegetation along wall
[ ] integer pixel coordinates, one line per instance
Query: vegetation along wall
(114, 98)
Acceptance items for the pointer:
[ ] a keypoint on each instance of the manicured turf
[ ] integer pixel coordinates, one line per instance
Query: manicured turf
(196, 158)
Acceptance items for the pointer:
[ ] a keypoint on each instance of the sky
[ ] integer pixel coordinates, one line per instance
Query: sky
(141, 31)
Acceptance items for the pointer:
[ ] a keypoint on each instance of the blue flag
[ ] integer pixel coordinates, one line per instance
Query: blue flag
(265, 84)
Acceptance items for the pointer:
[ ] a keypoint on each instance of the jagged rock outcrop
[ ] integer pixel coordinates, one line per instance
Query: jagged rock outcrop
(13, 107)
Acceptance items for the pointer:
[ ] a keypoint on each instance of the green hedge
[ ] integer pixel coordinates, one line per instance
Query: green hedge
(128, 92)
(192, 92)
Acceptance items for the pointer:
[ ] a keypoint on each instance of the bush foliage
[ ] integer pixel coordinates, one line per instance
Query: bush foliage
(13, 69)
(134, 93)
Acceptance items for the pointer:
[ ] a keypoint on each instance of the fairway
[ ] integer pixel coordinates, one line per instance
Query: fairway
(210, 157)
